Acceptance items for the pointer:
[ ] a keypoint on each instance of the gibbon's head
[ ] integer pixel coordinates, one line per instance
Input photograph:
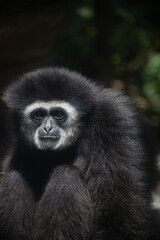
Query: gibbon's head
(51, 105)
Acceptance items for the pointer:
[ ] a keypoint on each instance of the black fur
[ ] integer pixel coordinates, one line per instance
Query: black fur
(99, 188)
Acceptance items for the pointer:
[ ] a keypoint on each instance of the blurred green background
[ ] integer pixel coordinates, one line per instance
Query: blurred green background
(115, 42)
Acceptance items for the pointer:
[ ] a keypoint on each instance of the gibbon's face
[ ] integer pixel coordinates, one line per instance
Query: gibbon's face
(52, 125)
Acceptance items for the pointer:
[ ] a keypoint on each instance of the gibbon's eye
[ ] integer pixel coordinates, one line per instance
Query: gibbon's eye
(38, 114)
(58, 114)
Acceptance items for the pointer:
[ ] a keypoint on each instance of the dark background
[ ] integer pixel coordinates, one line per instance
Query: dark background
(115, 42)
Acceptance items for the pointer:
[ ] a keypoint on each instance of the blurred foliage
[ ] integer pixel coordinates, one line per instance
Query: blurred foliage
(151, 78)
(75, 44)
(136, 57)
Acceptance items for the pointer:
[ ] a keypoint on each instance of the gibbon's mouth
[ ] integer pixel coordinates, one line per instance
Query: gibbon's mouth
(50, 138)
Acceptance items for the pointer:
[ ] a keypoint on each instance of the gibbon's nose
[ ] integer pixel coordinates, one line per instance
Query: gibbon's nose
(48, 125)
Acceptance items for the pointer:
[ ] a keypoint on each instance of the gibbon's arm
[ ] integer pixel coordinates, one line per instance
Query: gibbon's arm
(117, 178)
(65, 209)
(16, 208)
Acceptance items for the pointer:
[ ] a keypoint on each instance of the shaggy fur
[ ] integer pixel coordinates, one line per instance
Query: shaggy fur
(98, 188)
